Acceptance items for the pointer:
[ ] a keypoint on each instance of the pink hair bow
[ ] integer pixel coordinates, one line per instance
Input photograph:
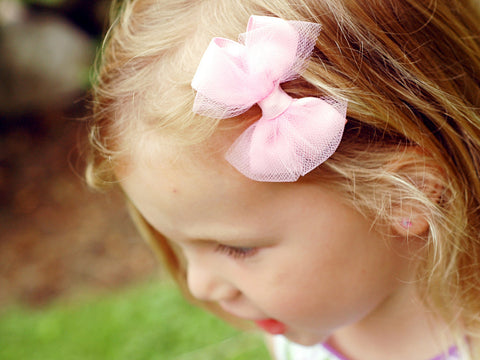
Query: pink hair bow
(293, 136)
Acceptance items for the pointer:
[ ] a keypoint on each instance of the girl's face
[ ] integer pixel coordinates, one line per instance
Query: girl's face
(292, 253)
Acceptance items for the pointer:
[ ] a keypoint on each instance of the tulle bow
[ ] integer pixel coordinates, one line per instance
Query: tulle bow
(293, 136)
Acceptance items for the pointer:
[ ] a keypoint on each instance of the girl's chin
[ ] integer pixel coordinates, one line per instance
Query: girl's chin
(305, 339)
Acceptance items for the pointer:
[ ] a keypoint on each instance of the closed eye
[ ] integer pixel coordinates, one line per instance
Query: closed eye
(236, 252)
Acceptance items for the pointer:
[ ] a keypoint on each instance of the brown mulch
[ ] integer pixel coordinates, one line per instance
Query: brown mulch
(57, 237)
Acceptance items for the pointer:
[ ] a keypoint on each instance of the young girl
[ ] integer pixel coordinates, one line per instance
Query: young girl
(312, 169)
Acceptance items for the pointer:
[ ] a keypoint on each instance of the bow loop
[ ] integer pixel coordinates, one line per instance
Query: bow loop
(271, 48)
(292, 144)
(232, 77)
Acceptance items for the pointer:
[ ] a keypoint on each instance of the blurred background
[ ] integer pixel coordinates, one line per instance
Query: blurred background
(76, 281)
(56, 236)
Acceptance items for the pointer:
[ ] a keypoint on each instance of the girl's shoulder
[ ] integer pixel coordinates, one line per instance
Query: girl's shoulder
(287, 350)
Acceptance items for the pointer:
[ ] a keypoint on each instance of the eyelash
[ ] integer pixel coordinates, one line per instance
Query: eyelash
(236, 252)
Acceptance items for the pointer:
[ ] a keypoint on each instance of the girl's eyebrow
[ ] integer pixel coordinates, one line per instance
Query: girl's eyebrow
(231, 239)
(222, 240)
(216, 236)
(201, 242)
(231, 234)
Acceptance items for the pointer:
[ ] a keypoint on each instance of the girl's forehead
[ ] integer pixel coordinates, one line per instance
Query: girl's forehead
(211, 200)
(174, 180)
(186, 151)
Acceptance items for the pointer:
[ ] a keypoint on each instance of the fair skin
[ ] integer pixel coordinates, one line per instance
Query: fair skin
(294, 253)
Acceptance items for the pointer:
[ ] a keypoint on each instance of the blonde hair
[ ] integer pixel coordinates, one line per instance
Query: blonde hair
(410, 70)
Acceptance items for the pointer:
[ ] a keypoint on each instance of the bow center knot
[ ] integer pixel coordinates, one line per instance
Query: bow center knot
(275, 103)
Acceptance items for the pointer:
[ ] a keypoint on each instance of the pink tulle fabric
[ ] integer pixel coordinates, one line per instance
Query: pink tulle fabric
(293, 136)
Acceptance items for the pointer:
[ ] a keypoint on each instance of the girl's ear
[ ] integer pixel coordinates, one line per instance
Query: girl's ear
(412, 213)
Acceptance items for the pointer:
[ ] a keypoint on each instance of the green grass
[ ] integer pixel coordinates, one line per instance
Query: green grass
(148, 322)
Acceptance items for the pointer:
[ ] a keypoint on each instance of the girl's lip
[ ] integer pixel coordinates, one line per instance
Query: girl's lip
(272, 326)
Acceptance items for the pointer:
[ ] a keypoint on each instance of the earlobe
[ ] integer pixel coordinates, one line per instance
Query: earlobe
(411, 225)
(412, 216)
(414, 210)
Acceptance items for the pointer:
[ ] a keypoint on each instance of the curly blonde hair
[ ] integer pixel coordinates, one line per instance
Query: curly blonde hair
(411, 72)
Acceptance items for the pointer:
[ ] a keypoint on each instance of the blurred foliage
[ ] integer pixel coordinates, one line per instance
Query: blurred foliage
(151, 322)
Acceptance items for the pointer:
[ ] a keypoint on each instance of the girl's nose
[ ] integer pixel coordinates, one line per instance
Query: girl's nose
(208, 284)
